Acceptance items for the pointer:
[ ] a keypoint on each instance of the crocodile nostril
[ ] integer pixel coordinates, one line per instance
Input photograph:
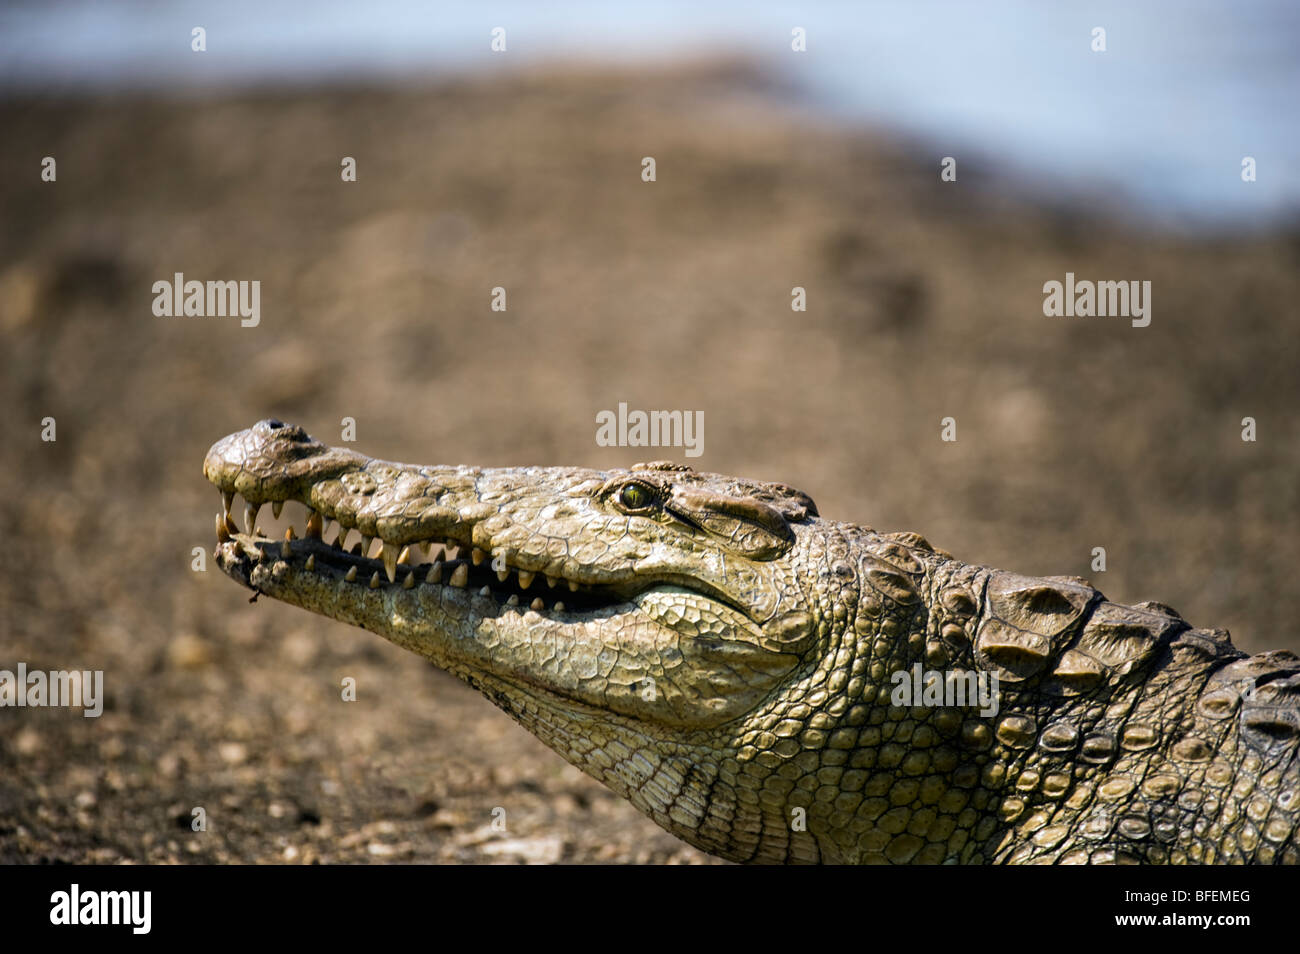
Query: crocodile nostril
(275, 423)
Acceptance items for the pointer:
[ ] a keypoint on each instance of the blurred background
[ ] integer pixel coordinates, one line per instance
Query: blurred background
(522, 169)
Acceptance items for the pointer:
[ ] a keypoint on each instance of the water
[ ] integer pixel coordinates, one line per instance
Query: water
(1159, 122)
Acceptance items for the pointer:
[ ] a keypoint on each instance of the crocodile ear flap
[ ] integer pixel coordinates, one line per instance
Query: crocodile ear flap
(748, 526)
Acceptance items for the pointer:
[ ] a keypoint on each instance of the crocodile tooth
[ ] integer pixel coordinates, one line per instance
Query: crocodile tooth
(351, 575)
(514, 600)
(231, 526)
(404, 556)
(257, 532)
(390, 560)
(525, 579)
(537, 604)
(478, 556)
(424, 547)
(286, 549)
(461, 576)
(227, 501)
(289, 534)
(276, 507)
(551, 581)
(559, 607)
(409, 582)
(449, 541)
(486, 591)
(341, 541)
(435, 573)
(223, 535)
(573, 586)
(311, 562)
(503, 575)
(374, 581)
(314, 525)
(250, 517)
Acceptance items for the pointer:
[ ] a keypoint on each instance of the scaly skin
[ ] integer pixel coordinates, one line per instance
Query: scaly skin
(718, 654)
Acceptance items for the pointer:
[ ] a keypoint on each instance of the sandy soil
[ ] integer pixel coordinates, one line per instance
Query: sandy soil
(924, 299)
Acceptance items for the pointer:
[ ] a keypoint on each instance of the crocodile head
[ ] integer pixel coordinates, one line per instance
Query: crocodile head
(640, 622)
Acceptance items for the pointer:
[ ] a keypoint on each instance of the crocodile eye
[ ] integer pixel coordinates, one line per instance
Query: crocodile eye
(635, 496)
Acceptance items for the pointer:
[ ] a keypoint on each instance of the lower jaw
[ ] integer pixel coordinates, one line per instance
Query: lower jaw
(405, 616)
(304, 572)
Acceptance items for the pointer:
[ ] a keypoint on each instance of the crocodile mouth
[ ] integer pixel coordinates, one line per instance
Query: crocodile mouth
(332, 552)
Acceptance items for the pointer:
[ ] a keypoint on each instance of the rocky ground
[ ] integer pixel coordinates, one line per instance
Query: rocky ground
(924, 302)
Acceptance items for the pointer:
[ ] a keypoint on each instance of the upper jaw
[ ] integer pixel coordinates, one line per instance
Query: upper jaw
(402, 506)
(393, 524)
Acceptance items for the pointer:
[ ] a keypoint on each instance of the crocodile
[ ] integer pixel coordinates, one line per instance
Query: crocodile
(771, 686)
